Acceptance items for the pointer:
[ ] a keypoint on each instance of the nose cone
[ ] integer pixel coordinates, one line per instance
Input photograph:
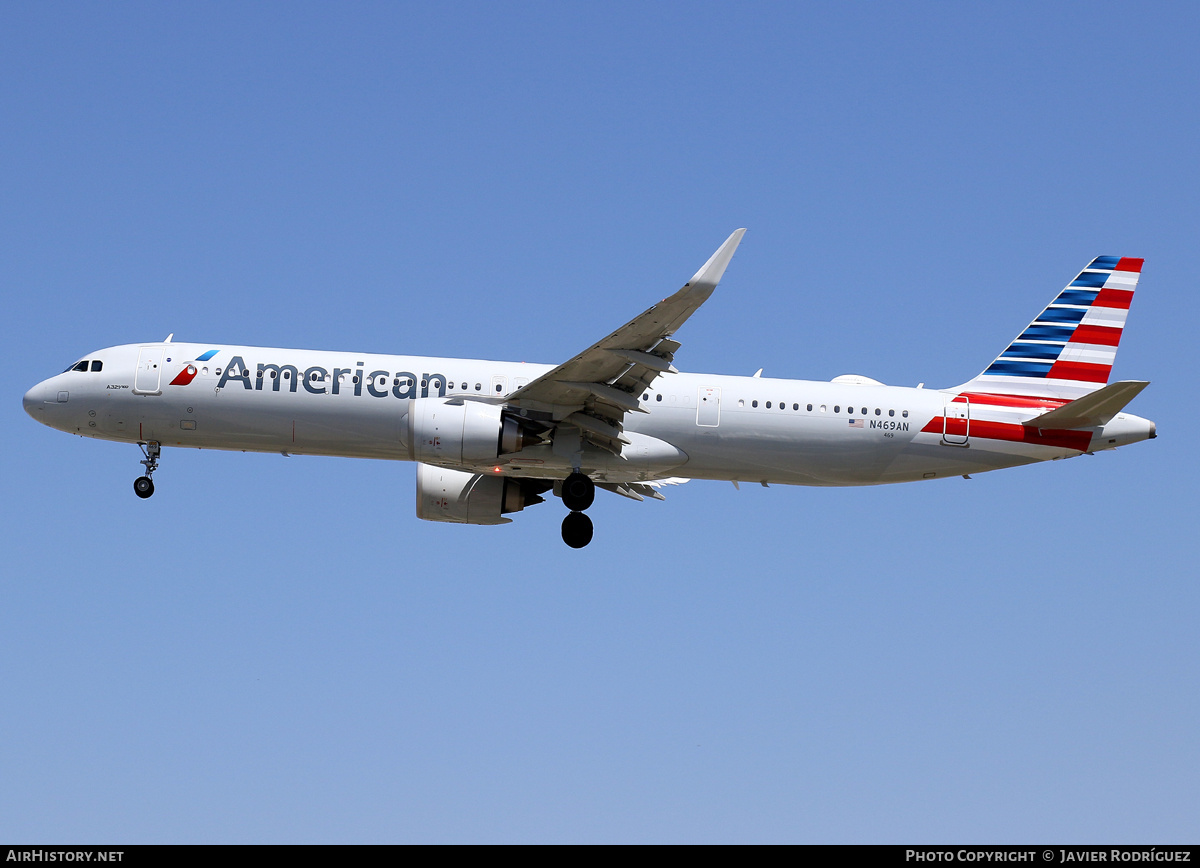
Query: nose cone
(34, 401)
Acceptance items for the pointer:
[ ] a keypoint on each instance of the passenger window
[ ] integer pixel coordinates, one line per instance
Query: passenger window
(905, 414)
(877, 411)
(754, 403)
(837, 408)
(823, 408)
(500, 388)
(810, 408)
(891, 412)
(478, 386)
(768, 405)
(97, 365)
(464, 387)
(658, 398)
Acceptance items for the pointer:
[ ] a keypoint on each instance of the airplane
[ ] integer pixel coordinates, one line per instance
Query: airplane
(491, 437)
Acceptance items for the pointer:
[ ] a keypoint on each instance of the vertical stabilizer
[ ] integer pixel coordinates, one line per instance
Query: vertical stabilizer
(1068, 350)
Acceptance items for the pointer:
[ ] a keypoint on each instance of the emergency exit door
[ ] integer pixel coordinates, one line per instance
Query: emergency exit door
(708, 407)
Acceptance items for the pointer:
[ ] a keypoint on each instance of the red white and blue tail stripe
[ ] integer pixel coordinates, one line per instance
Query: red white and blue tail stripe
(1068, 350)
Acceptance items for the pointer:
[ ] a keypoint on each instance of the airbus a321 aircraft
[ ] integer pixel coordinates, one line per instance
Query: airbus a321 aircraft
(490, 438)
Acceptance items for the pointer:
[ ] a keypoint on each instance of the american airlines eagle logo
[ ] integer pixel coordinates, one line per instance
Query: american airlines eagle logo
(189, 371)
(185, 376)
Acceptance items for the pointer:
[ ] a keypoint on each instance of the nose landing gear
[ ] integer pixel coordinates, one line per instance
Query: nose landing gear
(143, 486)
(578, 492)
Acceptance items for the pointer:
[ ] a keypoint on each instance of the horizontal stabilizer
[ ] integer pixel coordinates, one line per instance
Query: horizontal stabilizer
(1092, 410)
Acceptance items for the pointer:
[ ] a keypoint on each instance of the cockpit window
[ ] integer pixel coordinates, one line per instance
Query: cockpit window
(82, 366)
(97, 365)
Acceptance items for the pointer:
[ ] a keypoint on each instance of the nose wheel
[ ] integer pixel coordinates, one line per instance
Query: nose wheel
(578, 492)
(143, 486)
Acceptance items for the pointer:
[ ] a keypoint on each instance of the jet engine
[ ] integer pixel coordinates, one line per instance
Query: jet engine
(473, 498)
(464, 432)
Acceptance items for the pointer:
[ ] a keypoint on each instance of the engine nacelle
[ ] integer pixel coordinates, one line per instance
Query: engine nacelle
(472, 498)
(463, 432)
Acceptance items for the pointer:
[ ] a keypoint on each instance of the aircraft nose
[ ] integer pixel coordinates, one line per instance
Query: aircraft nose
(34, 400)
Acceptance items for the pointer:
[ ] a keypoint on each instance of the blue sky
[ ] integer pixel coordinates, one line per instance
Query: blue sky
(277, 649)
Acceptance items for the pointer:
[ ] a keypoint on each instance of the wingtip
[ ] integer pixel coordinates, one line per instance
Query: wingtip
(712, 271)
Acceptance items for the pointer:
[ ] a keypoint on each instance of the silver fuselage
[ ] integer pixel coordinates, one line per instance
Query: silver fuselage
(701, 426)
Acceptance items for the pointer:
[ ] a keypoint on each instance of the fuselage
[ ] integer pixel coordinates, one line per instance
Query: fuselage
(701, 426)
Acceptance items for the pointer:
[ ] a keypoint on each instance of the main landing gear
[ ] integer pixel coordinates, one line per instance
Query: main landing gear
(143, 486)
(578, 492)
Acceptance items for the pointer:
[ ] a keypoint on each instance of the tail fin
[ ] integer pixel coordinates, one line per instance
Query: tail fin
(1068, 350)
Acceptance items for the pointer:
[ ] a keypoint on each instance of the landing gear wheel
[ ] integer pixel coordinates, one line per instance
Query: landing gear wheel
(578, 492)
(577, 530)
(143, 486)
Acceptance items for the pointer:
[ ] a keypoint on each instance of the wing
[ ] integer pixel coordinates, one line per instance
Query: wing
(594, 390)
(641, 490)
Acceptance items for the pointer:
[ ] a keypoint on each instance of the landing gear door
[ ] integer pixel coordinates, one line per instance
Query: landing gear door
(708, 407)
(957, 418)
(148, 375)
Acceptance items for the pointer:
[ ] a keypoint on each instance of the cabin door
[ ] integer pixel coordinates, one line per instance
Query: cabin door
(708, 407)
(148, 375)
(957, 421)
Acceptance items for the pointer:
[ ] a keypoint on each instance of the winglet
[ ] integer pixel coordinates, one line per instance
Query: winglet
(711, 272)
